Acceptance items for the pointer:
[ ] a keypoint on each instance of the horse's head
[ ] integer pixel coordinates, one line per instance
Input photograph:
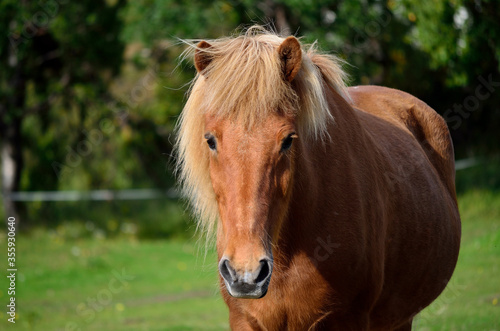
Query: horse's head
(254, 95)
(251, 174)
(250, 166)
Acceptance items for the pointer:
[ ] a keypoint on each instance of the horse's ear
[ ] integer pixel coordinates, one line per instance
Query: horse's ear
(290, 55)
(202, 58)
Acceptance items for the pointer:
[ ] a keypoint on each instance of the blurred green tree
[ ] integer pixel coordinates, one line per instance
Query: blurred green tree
(56, 57)
(90, 92)
(461, 39)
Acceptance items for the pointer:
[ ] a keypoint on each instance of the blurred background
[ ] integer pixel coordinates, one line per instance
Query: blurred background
(90, 92)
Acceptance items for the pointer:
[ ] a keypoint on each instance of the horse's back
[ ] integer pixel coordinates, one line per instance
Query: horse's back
(410, 113)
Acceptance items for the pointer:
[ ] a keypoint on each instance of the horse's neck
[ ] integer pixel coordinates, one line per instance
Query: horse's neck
(324, 175)
(321, 162)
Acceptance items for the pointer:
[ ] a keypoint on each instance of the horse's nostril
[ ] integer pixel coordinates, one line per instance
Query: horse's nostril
(249, 284)
(264, 272)
(227, 271)
(256, 278)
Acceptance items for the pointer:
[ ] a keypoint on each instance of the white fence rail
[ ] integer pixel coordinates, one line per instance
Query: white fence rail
(466, 163)
(136, 194)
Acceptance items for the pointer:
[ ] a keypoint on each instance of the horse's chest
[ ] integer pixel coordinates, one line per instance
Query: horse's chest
(292, 303)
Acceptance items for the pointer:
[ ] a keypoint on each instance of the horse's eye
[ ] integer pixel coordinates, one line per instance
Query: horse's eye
(211, 141)
(287, 142)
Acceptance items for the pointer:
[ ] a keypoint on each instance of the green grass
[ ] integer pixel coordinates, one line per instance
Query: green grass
(171, 287)
(167, 285)
(145, 219)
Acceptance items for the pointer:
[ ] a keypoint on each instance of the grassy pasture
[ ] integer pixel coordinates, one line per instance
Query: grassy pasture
(69, 282)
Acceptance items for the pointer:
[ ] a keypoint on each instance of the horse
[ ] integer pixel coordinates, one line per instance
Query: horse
(331, 207)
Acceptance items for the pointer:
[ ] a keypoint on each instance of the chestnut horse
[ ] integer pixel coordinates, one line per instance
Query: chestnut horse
(333, 208)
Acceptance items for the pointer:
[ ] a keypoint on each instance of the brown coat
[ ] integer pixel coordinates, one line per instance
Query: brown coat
(334, 208)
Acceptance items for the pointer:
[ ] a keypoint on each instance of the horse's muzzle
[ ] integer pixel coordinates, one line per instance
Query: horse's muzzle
(247, 284)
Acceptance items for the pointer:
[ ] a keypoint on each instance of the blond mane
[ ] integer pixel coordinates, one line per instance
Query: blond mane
(245, 80)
